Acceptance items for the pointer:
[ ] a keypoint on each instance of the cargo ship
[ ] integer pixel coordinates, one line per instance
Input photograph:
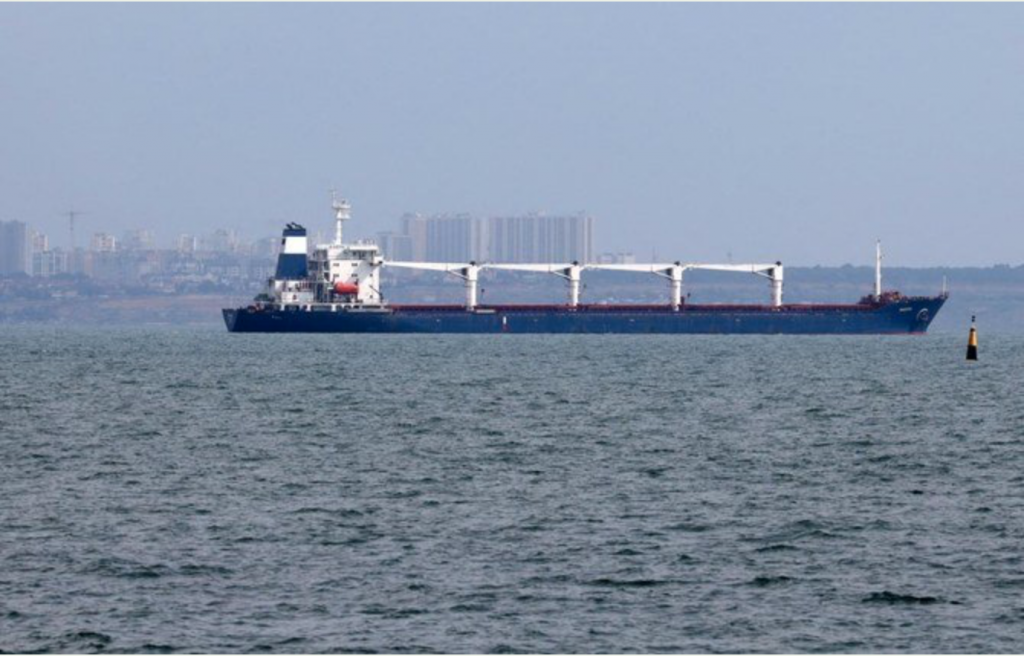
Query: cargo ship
(335, 288)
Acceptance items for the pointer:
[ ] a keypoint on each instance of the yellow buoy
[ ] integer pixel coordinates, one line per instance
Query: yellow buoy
(972, 342)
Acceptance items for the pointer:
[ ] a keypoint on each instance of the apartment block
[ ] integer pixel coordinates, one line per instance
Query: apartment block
(13, 248)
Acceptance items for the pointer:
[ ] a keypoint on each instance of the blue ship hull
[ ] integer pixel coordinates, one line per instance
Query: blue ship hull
(903, 316)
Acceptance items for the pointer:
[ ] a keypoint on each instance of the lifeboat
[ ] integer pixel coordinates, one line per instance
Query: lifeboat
(345, 288)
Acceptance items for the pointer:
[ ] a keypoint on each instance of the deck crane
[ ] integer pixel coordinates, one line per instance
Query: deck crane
(469, 272)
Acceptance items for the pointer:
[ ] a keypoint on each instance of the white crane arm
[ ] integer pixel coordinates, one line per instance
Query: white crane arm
(469, 273)
(737, 268)
(536, 268)
(636, 268)
(447, 267)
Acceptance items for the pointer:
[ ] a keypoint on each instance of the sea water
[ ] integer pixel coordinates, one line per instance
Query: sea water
(173, 490)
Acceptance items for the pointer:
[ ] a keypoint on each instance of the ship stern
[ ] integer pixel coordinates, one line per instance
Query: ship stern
(230, 318)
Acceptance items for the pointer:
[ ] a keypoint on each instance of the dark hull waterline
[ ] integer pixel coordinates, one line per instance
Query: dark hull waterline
(903, 316)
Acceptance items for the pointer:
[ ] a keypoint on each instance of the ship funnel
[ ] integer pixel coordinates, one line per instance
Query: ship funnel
(291, 262)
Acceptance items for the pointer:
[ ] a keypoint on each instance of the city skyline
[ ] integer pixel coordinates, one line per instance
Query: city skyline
(25, 249)
(321, 227)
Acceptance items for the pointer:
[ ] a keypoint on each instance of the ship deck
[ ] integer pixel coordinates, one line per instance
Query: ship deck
(598, 308)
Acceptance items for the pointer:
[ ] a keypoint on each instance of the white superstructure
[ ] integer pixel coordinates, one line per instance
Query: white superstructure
(356, 265)
(334, 275)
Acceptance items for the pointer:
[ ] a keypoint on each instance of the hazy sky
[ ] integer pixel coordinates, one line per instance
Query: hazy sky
(793, 132)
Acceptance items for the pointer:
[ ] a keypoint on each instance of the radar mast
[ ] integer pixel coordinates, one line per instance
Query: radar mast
(342, 212)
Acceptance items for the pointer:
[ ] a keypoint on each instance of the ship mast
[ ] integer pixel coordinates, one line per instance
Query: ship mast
(878, 270)
(342, 212)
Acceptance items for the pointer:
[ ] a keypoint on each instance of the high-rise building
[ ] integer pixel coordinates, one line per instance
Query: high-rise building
(538, 238)
(187, 243)
(38, 242)
(267, 247)
(137, 240)
(13, 248)
(443, 238)
(463, 238)
(395, 246)
(220, 241)
(79, 262)
(49, 263)
(414, 226)
(103, 243)
(453, 239)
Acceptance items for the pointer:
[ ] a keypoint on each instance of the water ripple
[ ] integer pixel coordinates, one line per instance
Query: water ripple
(184, 490)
